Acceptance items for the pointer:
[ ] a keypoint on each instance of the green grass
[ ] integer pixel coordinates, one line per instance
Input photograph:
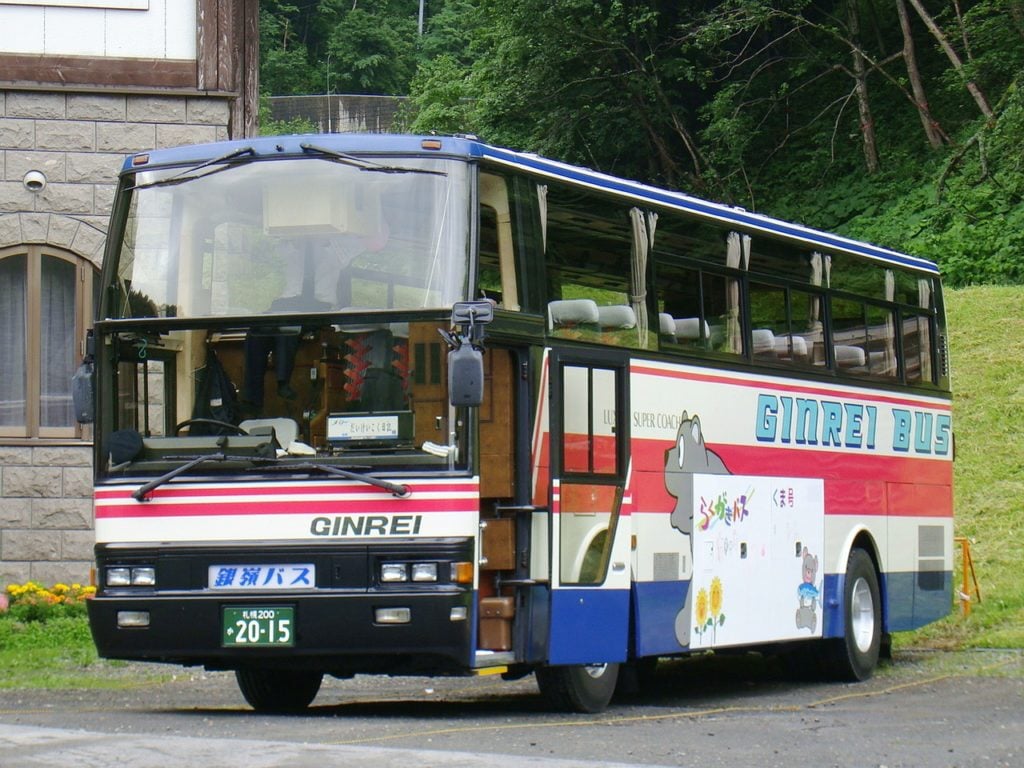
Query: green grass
(986, 326)
(59, 654)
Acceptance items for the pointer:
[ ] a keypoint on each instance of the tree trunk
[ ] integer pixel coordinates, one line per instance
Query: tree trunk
(954, 58)
(860, 75)
(931, 131)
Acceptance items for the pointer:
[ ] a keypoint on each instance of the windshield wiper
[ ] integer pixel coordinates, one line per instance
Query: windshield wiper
(187, 174)
(140, 493)
(396, 489)
(365, 165)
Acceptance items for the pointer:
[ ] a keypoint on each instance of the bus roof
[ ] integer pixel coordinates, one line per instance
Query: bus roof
(469, 147)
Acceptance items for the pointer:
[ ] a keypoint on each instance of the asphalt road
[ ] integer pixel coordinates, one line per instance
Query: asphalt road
(926, 710)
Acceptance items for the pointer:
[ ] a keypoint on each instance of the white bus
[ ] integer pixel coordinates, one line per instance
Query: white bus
(421, 405)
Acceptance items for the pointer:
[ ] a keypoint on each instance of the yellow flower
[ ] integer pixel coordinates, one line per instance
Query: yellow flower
(716, 596)
(702, 607)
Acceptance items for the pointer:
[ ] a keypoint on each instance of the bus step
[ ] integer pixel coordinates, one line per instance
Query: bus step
(492, 662)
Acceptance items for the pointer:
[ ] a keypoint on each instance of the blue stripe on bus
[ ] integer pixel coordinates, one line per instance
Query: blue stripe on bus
(655, 607)
(906, 604)
(717, 211)
(588, 626)
(910, 605)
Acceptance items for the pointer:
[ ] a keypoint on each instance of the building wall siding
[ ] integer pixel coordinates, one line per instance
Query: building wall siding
(45, 513)
(79, 141)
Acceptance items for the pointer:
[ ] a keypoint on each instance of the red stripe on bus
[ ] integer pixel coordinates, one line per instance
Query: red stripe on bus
(234, 489)
(854, 484)
(338, 507)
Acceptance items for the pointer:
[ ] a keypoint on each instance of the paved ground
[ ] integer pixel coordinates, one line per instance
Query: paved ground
(926, 711)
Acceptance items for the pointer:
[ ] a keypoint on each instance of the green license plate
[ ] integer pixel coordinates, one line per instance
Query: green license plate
(254, 627)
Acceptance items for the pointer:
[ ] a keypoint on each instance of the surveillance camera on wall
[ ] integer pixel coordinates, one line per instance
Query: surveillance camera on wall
(34, 181)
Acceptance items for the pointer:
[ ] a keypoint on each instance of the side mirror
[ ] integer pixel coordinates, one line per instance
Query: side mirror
(466, 375)
(466, 356)
(83, 392)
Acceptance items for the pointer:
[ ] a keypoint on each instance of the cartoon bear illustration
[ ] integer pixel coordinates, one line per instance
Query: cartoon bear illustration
(808, 594)
(687, 457)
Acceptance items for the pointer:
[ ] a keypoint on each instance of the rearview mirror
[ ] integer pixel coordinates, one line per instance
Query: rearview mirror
(83, 392)
(466, 358)
(466, 375)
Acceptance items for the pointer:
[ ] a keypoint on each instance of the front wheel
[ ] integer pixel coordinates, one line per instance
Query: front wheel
(278, 690)
(855, 655)
(578, 688)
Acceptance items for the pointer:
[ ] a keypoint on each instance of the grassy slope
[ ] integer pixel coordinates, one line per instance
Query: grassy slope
(986, 327)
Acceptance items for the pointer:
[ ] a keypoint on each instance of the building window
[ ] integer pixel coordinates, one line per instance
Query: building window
(46, 302)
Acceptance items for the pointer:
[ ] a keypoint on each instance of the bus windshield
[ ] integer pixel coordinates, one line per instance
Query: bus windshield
(319, 233)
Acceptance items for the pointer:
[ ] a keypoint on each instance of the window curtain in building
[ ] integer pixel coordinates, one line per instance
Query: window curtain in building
(12, 341)
(56, 342)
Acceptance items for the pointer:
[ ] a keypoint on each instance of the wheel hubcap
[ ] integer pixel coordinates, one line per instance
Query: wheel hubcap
(596, 670)
(862, 615)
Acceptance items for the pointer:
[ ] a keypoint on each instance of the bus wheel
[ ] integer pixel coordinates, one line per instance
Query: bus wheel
(578, 687)
(855, 655)
(278, 690)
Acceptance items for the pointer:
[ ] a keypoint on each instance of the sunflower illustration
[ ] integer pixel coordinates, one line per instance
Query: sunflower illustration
(702, 609)
(716, 597)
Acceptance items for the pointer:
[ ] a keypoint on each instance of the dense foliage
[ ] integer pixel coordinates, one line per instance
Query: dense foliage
(896, 121)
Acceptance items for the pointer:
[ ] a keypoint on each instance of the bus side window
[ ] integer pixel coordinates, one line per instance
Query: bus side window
(589, 257)
(697, 310)
(786, 324)
(497, 278)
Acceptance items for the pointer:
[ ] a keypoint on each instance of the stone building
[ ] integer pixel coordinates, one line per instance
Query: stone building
(83, 83)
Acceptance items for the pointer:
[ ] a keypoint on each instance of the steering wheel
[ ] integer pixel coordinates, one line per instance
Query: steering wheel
(235, 429)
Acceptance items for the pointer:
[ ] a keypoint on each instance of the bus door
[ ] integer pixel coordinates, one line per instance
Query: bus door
(590, 543)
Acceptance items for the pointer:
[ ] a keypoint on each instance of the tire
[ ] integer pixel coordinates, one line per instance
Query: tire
(854, 656)
(578, 688)
(278, 690)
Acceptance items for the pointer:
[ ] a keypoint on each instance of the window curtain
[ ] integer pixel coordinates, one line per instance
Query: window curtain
(12, 341)
(737, 256)
(56, 342)
(643, 224)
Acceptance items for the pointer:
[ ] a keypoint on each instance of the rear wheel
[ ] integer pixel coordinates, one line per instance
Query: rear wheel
(277, 690)
(578, 688)
(855, 655)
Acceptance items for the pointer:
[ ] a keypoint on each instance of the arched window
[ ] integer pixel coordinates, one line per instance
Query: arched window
(46, 304)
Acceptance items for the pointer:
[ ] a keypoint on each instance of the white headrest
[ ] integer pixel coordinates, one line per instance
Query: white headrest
(689, 328)
(572, 312)
(848, 356)
(799, 345)
(764, 340)
(616, 316)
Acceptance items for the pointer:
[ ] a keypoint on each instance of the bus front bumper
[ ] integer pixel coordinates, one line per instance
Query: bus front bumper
(394, 633)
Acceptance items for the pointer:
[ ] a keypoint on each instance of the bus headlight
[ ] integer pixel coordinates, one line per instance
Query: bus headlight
(119, 577)
(143, 577)
(391, 573)
(136, 576)
(424, 571)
